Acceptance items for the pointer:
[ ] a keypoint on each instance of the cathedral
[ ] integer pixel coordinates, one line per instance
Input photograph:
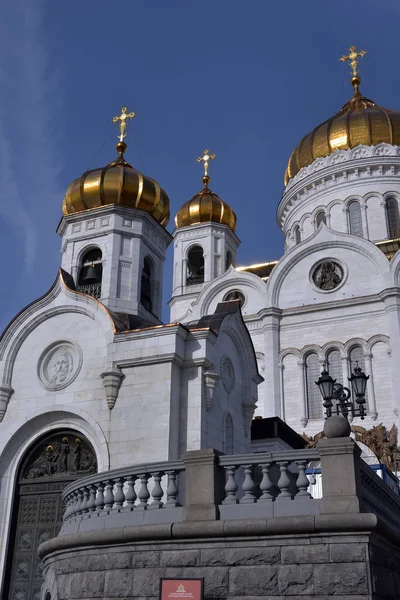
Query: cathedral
(92, 380)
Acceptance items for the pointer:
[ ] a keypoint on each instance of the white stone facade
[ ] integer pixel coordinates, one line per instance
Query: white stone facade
(289, 317)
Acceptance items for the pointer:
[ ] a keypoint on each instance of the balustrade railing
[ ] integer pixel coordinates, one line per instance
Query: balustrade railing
(377, 497)
(267, 477)
(139, 488)
(91, 289)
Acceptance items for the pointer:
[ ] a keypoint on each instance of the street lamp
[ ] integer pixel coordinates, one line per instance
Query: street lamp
(330, 390)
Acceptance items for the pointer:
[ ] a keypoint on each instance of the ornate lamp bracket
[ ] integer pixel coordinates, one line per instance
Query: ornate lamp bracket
(210, 383)
(112, 379)
(6, 391)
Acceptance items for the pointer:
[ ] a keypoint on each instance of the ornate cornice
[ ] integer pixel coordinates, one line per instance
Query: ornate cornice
(339, 169)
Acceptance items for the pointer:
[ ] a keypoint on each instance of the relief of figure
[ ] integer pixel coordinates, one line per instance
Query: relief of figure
(327, 278)
(60, 365)
(64, 453)
(51, 458)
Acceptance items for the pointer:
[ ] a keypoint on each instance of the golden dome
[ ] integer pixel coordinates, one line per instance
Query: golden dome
(117, 183)
(205, 207)
(360, 121)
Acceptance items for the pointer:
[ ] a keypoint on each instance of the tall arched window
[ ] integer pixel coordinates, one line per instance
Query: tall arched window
(227, 434)
(355, 220)
(334, 364)
(314, 400)
(320, 218)
(356, 358)
(297, 236)
(195, 266)
(145, 285)
(393, 218)
(90, 273)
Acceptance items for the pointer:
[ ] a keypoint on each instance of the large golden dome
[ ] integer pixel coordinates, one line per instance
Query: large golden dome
(117, 183)
(205, 207)
(360, 121)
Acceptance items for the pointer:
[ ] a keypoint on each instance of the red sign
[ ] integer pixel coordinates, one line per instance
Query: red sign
(181, 589)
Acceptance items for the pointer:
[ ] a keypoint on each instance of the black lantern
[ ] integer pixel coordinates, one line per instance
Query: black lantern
(358, 382)
(326, 384)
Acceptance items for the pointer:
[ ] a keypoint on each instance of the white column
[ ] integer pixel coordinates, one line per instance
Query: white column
(346, 383)
(303, 395)
(392, 309)
(346, 218)
(370, 386)
(364, 220)
(282, 383)
(271, 327)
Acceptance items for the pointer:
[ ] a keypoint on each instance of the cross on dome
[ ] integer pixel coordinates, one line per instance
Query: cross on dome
(123, 122)
(353, 57)
(205, 160)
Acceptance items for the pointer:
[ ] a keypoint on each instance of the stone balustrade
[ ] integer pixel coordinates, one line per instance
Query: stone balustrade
(121, 497)
(275, 482)
(377, 497)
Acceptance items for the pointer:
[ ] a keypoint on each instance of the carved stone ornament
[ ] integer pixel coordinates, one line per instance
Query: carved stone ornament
(6, 392)
(112, 379)
(62, 455)
(210, 383)
(248, 413)
(227, 374)
(59, 365)
(328, 275)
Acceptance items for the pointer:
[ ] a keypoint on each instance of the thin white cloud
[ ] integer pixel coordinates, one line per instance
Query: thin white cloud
(29, 169)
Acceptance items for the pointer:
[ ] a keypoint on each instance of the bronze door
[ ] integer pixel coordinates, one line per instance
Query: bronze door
(51, 464)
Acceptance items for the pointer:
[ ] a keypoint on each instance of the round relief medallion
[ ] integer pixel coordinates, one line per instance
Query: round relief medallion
(328, 275)
(235, 295)
(227, 374)
(59, 365)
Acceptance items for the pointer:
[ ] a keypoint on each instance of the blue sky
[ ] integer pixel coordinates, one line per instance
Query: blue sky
(245, 79)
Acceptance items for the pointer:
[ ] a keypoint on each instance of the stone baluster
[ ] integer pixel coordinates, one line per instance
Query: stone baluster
(302, 480)
(157, 491)
(248, 486)
(68, 506)
(266, 485)
(109, 495)
(84, 508)
(172, 490)
(119, 496)
(78, 506)
(75, 504)
(144, 493)
(130, 495)
(100, 496)
(231, 486)
(91, 503)
(284, 482)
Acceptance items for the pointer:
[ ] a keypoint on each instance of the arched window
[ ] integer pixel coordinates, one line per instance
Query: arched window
(90, 273)
(297, 236)
(55, 460)
(393, 218)
(355, 220)
(227, 434)
(195, 266)
(356, 358)
(314, 399)
(320, 218)
(229, 260)
(334, 366)
(145, 285)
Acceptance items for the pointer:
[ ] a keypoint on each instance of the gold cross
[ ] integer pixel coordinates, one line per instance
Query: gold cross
(123, 123)
(353, 57)
(204, 159)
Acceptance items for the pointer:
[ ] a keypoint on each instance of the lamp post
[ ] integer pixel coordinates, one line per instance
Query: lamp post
(330, 390)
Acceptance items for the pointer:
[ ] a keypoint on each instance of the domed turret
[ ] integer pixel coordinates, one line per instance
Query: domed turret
(205, 206)
(360, 121)
(117, 183)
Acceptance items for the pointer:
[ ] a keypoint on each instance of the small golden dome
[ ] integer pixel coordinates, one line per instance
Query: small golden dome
(117, 183)
(205, 207)
(360, 121)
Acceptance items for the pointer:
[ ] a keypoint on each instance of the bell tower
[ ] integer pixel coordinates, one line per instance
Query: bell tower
(113, 233)
(205, 243)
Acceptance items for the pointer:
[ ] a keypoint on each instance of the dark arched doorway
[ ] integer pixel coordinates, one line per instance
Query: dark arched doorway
(49, 465)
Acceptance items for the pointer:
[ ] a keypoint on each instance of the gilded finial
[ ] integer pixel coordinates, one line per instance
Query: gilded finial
(205, 160)
(123, 122)
(353, 57)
